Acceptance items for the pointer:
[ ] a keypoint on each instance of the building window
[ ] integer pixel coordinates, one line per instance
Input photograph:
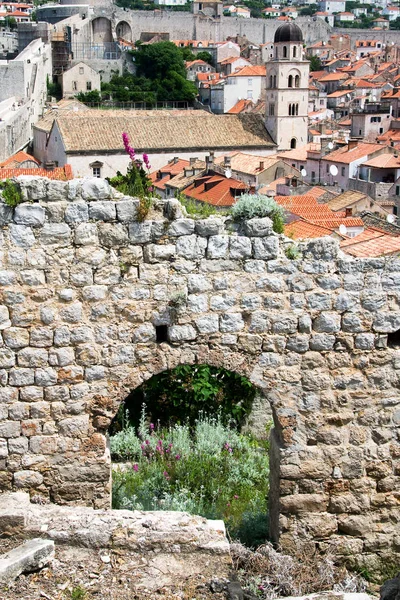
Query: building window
(249, 82)
(75, 85)
(327, 168)
(290, 81)
(397, 190)
(380, 129)
(274, 81)
(313, 177)
(271, 110)
(321, 102)
(359, 132)
(294, 51)
(271, 81)
(290, 109)
(81, 70)
(297, 81)
(343, 171)
(96, 171)
(395, 210)
(284, 51)
(293, 143)
(88, 86)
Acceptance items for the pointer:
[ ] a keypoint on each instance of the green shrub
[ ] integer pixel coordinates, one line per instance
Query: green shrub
(11, 193)
(212, 471)
(250, 206)
(178, 395)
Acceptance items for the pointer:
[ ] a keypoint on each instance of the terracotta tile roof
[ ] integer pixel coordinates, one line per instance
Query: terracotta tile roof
(333, 77)
(391, 134)
(249, 163)
(60, 173)
(335, 222)
(232, 59)
(149, 131)
(378, 244)
(345, 200)
(346, 156)
(14, 161)
(300, 154)
(167, 172)
(193, 63)
(271, 187)
(383, 161)
(317, 75)
(338, 94)
(250, 71)
(307, 207)
(239, 107)
(301, 230)
(215, 189)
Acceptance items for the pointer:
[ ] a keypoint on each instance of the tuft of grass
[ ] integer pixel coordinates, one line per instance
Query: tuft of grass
(198, 209)
(11, 193)
(292, 252)
(79, 593)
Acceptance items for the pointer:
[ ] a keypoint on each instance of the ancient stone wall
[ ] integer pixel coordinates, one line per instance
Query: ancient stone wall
(95, 302)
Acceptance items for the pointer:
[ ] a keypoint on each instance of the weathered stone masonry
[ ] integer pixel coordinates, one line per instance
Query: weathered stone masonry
(84, 288)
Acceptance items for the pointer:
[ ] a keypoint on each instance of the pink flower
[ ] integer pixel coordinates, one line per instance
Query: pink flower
(146, 161)
(166, 475)
(151, 426)
(177, 456)
(128, 148)
(136, 467)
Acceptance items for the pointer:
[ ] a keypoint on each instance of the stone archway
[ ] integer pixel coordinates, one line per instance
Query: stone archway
(89, 310)
(124, 31)
(101, 31)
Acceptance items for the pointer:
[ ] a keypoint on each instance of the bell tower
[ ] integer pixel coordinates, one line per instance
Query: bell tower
(286, 117)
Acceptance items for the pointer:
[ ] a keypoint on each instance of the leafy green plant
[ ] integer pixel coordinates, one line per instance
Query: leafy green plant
(78, 593)
(197, 209)
(211, 470)
(178, 395)
(11, 193)
(250, 206)
(178, 300)
(292, 252)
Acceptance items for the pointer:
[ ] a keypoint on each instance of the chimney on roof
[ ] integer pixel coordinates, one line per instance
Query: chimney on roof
(212, 153)
(227, 161)
(175, 159)
(49, 166)
(252, 189)
(261, 165)
(353, 143)
(209, 163)
(192, 160)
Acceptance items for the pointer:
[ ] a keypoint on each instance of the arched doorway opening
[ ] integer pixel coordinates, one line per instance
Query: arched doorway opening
(124, 31)
(101, 31)
(195, 438)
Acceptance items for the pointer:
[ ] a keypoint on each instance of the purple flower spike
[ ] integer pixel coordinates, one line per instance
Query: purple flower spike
(146, 161)
(136, 467)
(151, 426)
(128, 149)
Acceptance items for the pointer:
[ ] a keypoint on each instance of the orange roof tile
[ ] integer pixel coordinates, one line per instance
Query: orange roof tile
(301, 230)
(250, 71)
(346, 156)
(383, 161)
(215, 189)
(377, 245)
(239, 107)
(333, 77)
(61, 173)
(18, 158)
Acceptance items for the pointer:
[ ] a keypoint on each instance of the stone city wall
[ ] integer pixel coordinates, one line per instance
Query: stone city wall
(90, 310)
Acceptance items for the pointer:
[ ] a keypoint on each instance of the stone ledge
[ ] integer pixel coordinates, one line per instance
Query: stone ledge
(29, 557)
(154, 532)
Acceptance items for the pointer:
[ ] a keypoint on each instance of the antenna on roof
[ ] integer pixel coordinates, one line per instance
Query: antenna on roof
(342, 229)
(390, 218)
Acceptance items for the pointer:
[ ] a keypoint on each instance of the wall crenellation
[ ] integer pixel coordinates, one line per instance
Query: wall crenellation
(85, 288)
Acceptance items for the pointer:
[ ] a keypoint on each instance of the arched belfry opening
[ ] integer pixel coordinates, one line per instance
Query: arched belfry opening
(101, 31)
(197, 438)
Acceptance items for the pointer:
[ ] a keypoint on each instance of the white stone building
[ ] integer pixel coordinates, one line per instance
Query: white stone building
(23, 94)
(287, 73)
(80, 78)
